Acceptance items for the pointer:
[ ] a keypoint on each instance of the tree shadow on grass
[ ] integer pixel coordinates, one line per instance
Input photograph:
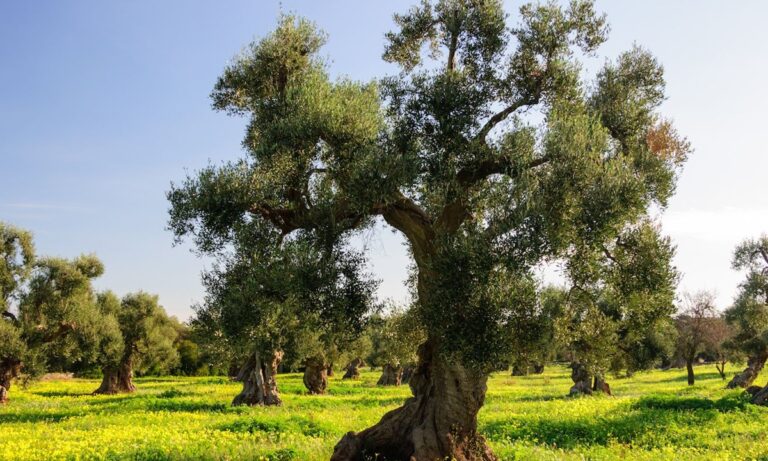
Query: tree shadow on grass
(10, 418)
(293, 424)
(525, 398)
(316, 403)
(61, 394)
(189, 407)
(684, 377)
(645, 423)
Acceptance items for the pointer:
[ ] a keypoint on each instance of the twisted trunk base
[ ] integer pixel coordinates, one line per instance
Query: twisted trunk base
(438, 422)
(755, 364)
(117, 380)
(353, 369)
(519, 370)
(329, 370)
(407, 374)
(259, 380)
(538, 368)
(9, 370)
(391, 375)
(582, 380)
(585, 384)
(759, 395)
(601, 385)
(316, 375)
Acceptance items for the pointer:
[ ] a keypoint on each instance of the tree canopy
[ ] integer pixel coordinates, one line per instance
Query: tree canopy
(449, 153)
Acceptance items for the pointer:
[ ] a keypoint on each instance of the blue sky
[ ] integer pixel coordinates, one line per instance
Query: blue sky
(103, 104)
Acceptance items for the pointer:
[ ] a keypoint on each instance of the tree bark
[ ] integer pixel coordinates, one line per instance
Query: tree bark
(760, 397)
(353, 369)
(9, 370)
(745, 379)
(438, 422)
(518, 370)
(329, 371)
(689, 367)
(601, 385)
(538, 368)
(407, 374)
(316, 375)
(391, 375)
(259, 380)
(582, 380)
(117, 380)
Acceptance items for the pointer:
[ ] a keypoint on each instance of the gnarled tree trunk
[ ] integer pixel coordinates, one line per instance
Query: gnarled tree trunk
(407, 374)
(353, 369)
(316, 375)
(391, 375)
(582, 380)
(329, 371)
(259, 380)
(759, 395)
(519, 370)
(538, 368)
(601, 385)
(755, 364)
(438, 422)
(9, 370)
(117, 380)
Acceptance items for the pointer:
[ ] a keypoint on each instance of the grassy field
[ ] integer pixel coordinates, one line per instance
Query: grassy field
(654, 415)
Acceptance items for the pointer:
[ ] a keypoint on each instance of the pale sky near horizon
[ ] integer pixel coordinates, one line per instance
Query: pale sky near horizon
(103, 104)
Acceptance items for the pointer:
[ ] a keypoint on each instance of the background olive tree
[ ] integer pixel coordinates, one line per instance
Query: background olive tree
(749, 313)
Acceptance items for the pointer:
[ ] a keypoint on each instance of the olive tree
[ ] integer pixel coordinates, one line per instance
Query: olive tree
(696, 323)
(535, 319)
(134, 332)
(446, 154)
(749, 312)
(17, 256)
(265, 302)
(57, 303)
(395, 337)
(620, 305)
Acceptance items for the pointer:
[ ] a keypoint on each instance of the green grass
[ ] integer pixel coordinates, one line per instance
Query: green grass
(654, 415)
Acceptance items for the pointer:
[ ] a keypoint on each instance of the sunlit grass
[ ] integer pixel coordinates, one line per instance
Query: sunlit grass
(654, 415)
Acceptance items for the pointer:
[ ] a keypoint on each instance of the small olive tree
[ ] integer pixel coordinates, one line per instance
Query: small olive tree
(306, 300)
(396, 336)
(749, 313)
(696, 322)
(135, 333)
(56, 305)
(619, 308)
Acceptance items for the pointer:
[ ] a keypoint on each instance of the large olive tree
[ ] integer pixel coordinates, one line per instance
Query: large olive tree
(446, 154)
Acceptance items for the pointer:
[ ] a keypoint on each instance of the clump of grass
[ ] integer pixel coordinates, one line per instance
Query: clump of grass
(171, 393)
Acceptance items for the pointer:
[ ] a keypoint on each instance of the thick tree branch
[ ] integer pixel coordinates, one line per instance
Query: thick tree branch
(455, 212)
(10, 316)
(501, 116)
(410, 219)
